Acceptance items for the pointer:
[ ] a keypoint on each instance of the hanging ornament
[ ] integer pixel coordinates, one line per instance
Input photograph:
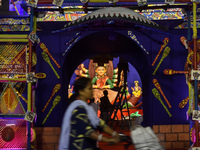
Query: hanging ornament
(33, 37)
(164, 55)
(133, 37)
(165, 41)
(55, 90)
(29, 116)
(58, 2)
(40, 75)
(55, 102)
(157, 95)
(46, 58)
(183, 102)
(72, 41)
(46, 50)
(172, 72)
(157, 85)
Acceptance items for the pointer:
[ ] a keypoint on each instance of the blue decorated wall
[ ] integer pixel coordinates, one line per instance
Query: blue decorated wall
(92, 43)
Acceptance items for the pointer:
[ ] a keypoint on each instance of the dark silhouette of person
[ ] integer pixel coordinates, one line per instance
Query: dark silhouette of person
(105, 107)
(122, 66)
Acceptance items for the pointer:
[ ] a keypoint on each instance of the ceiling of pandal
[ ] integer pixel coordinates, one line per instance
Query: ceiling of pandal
(91, 5)
(167, 13)
(164, 12)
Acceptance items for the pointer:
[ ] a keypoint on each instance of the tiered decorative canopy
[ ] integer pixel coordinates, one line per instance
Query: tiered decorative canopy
(113, 17)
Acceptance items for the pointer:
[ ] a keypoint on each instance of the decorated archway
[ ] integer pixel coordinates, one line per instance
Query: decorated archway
(113, 44)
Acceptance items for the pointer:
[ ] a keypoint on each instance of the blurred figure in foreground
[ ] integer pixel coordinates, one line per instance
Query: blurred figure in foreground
(80, 123)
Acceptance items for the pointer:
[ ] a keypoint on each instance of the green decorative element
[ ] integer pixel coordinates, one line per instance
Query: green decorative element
(135, 114)
(55, 102)
(164, 55)
(47, 59)
(157, 95)
(127, 105)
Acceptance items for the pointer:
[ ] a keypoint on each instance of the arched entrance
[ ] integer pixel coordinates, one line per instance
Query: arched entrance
(114, 44)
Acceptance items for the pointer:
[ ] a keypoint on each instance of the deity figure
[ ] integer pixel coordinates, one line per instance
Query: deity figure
(103, 77)
(136, 90)
(136, 95)
(101, 80)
